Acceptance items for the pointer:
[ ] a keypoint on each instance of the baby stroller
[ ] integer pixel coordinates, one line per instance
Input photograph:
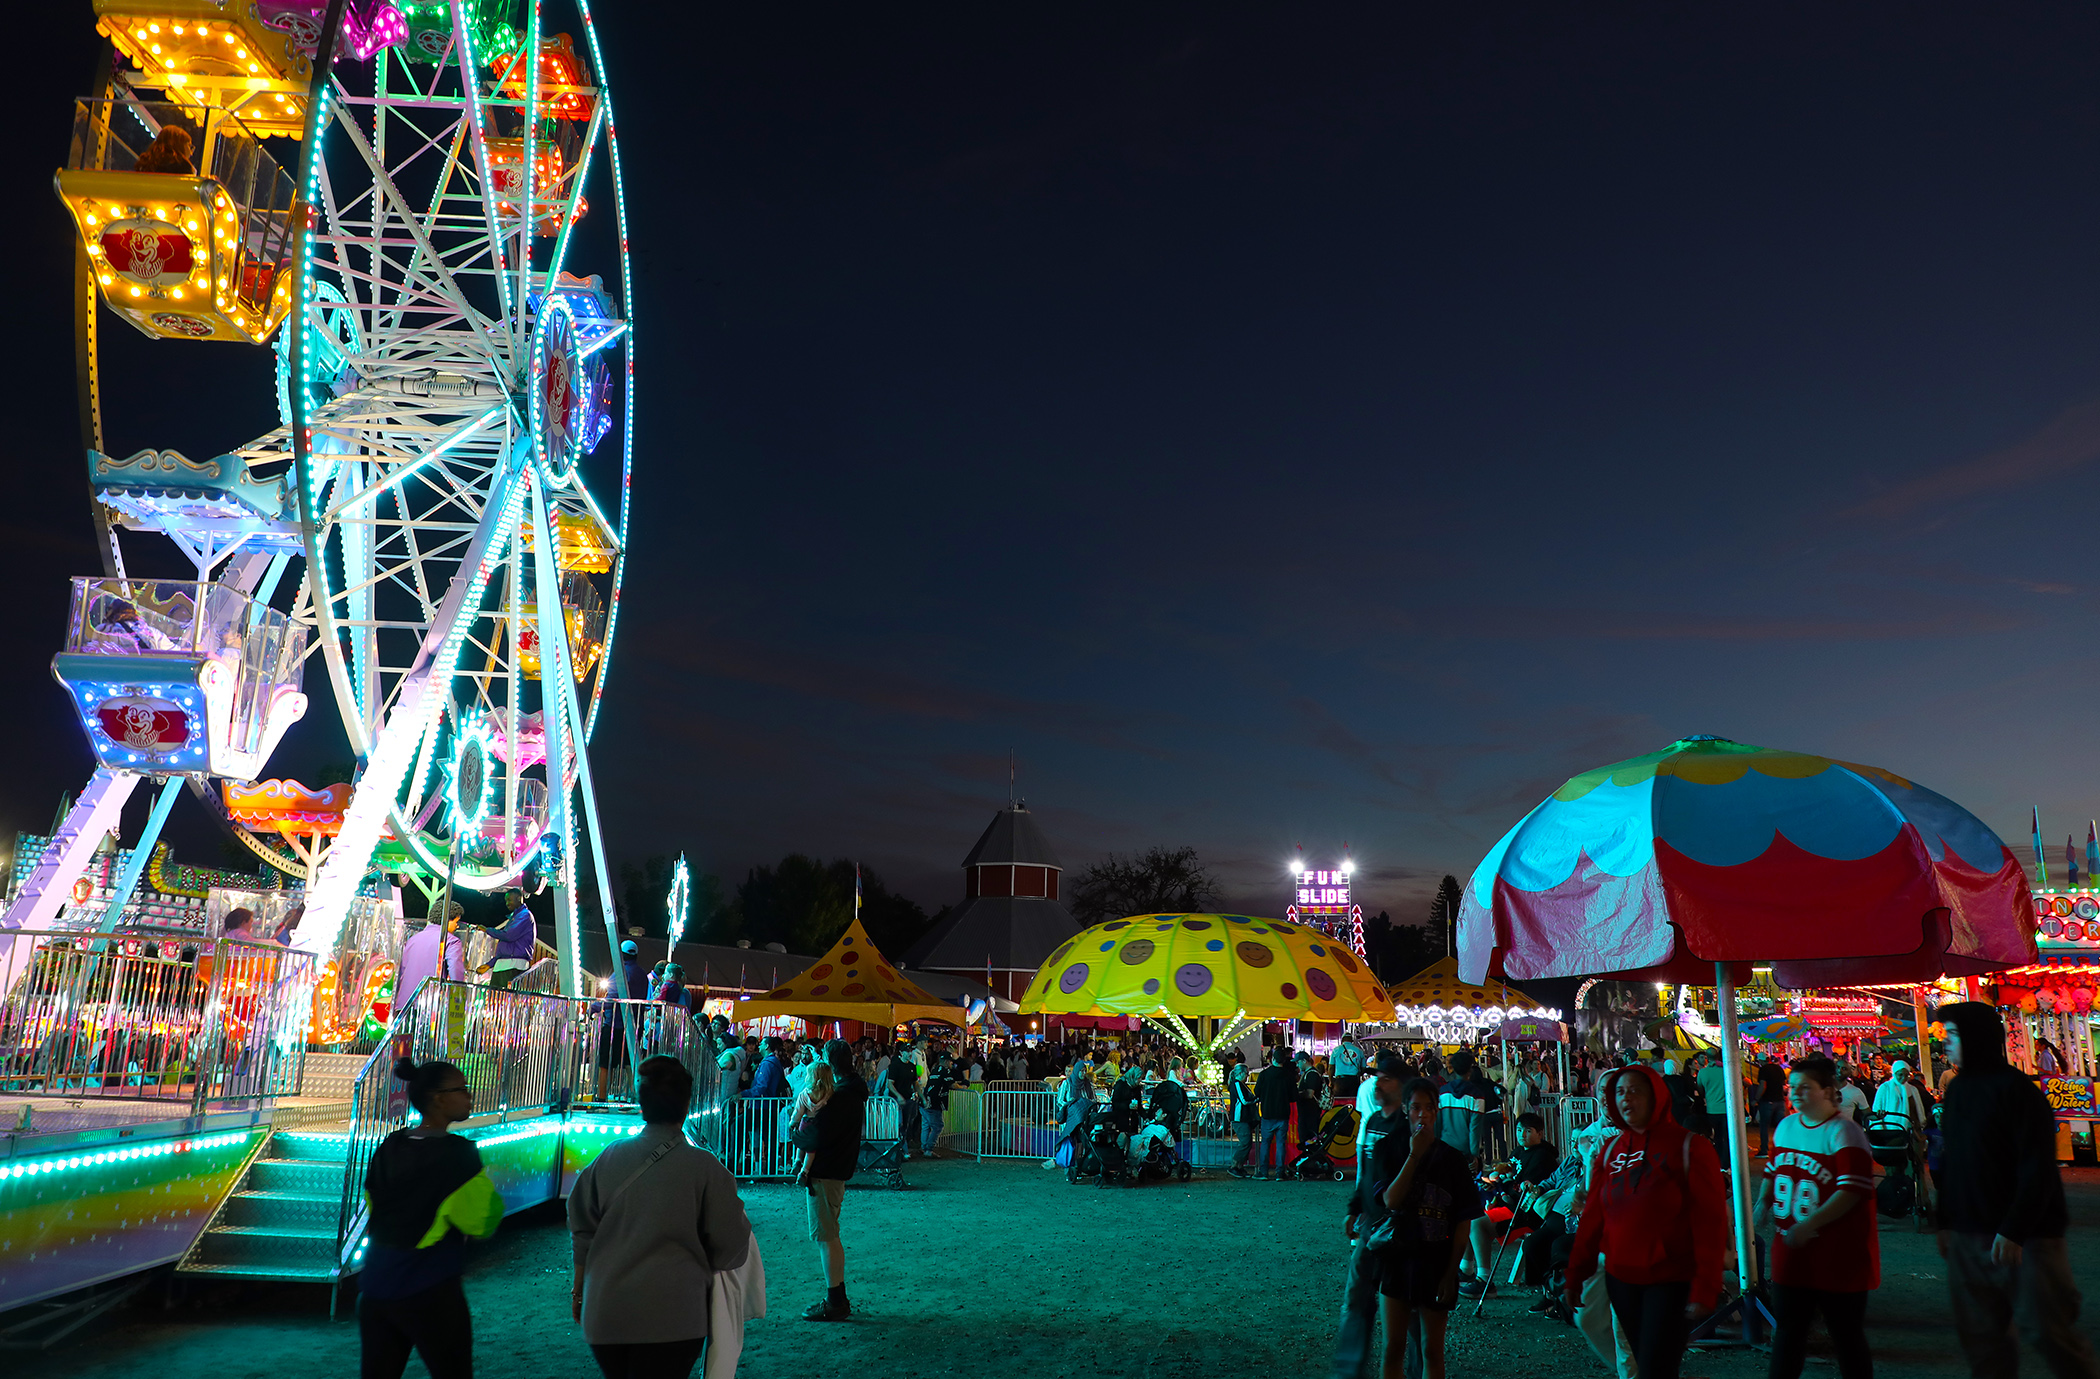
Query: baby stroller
(1112, 1163)
(1157, 1160)
(1890, 1141)
(1077, 1152)
(1330, 1152)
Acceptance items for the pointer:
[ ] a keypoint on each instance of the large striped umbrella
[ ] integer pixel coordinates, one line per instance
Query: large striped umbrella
(1716, 851)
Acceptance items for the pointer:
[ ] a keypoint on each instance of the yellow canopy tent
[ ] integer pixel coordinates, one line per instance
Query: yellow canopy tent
(1438, 985)
(1233, 968)
(852, 981)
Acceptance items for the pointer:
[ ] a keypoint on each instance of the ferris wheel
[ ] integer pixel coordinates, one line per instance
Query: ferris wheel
(451, 478)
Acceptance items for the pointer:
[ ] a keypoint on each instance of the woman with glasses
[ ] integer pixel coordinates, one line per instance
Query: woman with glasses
(427, 1192)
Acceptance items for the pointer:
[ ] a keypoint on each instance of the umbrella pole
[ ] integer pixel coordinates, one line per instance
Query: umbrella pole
(1738, 1152)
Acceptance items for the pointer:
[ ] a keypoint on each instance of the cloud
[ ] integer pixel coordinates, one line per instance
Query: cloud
(1530, 624)
(2070, 441)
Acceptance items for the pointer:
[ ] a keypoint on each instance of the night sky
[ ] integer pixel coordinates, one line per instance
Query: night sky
(1274, 424)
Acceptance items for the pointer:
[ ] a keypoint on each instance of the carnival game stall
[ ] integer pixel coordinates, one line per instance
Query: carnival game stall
(2048, 1008)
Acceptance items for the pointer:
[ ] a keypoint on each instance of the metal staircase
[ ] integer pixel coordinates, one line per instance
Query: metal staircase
(280, 1223)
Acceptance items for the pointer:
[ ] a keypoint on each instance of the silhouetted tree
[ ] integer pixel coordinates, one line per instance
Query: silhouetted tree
(1162, 881)
(1401, 949)
(804, 905)
(1443, 916)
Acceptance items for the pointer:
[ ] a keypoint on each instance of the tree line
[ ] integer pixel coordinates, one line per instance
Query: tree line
(804, 903)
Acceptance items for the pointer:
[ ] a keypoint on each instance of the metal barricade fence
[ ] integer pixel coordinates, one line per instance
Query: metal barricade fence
(1567, 1117)
(749, 1135)
(1015, 1124)
(212, 1023)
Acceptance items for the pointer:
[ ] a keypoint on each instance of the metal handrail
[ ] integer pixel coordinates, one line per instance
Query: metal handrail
(523, 1053)
(197, 1023)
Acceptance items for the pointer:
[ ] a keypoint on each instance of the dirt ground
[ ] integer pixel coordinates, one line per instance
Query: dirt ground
(1001, 1266)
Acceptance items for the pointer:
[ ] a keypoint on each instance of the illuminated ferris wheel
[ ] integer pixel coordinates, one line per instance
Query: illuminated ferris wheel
(442, 514)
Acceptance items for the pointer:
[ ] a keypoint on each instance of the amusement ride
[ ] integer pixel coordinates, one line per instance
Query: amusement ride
(450, 478)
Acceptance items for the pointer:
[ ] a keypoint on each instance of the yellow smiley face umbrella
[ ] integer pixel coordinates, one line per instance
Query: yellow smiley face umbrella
(1222, 966)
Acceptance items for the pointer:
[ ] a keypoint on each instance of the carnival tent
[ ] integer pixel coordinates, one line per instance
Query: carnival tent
(852, 981)
(1439, 986)
(1709, 855)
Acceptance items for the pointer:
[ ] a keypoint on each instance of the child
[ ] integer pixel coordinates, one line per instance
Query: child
(820, 1087)
(1426, 1187)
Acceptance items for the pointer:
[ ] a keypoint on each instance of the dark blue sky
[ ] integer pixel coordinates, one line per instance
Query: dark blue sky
(1278, 426)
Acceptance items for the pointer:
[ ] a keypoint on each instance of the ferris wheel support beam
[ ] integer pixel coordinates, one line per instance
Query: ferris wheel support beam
(66, 856)
(565, 742)
(127, 880)
(423, 691)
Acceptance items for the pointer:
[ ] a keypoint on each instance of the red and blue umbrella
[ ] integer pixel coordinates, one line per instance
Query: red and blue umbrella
(1714, 851)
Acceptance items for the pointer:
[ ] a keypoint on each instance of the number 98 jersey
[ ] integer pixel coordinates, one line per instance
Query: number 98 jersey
(1810, 1163)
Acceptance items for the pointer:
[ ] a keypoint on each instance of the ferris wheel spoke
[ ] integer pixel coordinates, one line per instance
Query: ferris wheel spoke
(430, 261)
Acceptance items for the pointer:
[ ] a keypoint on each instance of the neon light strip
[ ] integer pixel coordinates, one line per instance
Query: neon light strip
(612, 150)
(67, 1163)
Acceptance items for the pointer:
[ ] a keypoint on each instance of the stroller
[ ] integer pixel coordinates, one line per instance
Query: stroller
(1329, 1153)
(1157, 1159)
(1112, 1164)
(1080, 1150)
(1890, 1141)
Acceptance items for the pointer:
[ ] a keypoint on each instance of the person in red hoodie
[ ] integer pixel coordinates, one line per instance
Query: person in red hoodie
(1658, 1211)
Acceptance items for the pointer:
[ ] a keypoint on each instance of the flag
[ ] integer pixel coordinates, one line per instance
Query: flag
(2092, 851)
(2070, 860)
(856, 890)
(2041, 863)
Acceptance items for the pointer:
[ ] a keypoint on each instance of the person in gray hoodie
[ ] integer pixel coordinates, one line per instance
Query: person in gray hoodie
(650, 1221)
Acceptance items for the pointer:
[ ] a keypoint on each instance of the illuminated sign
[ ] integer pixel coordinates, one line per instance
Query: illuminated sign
(2067, 921)
(1323, 892)
(2070, 1097)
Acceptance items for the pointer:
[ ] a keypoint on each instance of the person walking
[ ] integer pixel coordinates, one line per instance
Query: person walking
(831, 1164)
(933, 1102)
(1713, 1090)
(2000, 1209)
(650, 1221)
(1655, 1211)
(1348, 1062)
(900, 1082)
(1245, 1111)
(1275, 1091)
(1771, 1102)
(1816, 1204)
(427, 1192)
(1428, 1189)
(1359, 1325)
(1311, 1100)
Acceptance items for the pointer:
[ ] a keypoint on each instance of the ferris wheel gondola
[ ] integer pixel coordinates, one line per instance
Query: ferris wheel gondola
(452, 473)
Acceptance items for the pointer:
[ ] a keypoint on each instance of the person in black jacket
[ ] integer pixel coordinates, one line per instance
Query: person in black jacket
(1353, 1344)
(1274, 1092)
(2000, 1209)
(831, 1163)
(427, 1192)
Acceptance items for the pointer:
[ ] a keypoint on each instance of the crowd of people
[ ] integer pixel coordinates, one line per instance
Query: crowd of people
(1627, 1232)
